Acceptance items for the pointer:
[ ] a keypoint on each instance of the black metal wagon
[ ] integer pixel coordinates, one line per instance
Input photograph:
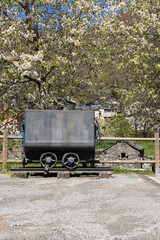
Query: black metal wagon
(56, 136)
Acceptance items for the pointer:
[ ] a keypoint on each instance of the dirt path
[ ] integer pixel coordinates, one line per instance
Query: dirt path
(126, 207)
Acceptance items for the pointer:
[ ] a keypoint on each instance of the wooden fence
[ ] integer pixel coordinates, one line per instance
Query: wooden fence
(155, 162)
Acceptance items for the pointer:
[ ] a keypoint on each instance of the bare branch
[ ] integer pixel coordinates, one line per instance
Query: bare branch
(44, 78)
(21, 4)
(38, 81)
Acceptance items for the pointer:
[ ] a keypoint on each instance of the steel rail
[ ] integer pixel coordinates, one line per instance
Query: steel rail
(60, 169)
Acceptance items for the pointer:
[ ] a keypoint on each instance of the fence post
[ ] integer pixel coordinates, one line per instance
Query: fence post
(5, 148)
(156, 135)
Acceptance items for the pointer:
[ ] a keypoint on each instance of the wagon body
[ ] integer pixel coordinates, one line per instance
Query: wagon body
(59, 132)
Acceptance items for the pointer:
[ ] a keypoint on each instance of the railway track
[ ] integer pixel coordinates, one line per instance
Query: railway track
(61, 171)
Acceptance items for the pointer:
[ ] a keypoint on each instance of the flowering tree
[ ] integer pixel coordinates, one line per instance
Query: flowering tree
(50, 49)
(53, 51)
(135, 52)
(44, 52)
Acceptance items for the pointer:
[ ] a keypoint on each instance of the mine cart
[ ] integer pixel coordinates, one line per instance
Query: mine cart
(51, 137)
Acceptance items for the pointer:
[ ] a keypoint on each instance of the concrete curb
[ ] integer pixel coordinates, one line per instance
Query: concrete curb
(151, 179)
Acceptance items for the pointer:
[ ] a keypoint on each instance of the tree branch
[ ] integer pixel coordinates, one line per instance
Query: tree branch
(44, 78)
(32, 79)
(21, 4)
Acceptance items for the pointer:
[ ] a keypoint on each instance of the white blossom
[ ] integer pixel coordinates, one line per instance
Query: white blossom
(73, 30)
(76, 42)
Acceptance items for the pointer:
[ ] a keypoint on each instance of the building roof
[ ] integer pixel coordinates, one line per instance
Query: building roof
(130, 143)
(135, 145)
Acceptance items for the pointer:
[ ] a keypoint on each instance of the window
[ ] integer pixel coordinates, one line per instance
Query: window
(123, 155)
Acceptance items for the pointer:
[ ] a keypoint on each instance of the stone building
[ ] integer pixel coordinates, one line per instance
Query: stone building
(124, 150)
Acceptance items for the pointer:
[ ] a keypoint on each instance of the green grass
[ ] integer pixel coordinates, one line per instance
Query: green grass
(144, 172)
(149, 147)
(17, 165)
(9, 165)
(104, 144)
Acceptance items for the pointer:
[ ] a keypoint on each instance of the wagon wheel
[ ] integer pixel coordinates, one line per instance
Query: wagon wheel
(48, 159)
(70, 160)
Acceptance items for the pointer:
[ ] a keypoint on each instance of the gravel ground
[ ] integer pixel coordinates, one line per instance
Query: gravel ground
(125, 207)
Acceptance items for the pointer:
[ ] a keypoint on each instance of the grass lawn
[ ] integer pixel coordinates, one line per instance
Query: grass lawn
(125, 171)
(104, 144)
(17, 165)
(149, 147)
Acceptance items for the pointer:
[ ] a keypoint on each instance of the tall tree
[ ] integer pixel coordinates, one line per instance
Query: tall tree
(70, 50)
(135, 53)
(46, 51)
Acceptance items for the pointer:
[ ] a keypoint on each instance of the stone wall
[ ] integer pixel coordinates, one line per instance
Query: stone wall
(121, 166)
(121, 150)
(12, 154)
